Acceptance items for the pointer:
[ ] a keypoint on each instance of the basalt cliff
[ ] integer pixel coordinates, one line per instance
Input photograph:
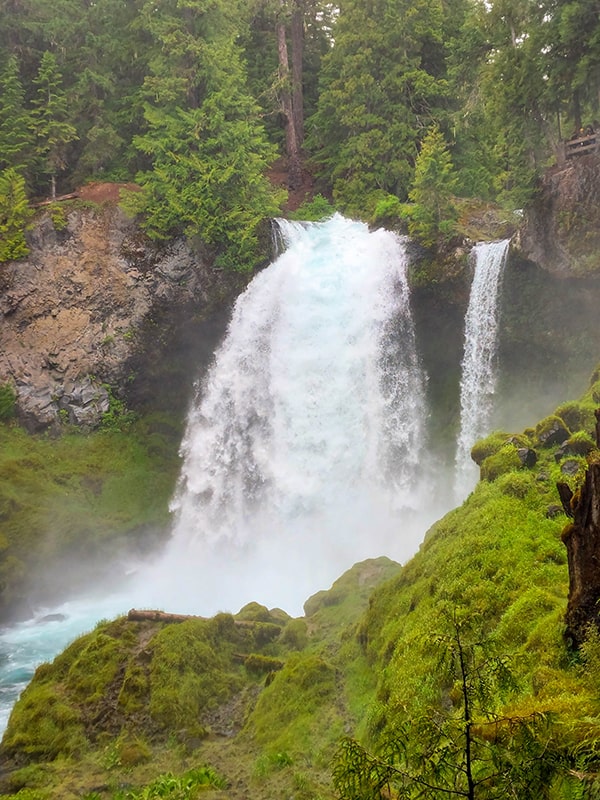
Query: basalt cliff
(97, 309)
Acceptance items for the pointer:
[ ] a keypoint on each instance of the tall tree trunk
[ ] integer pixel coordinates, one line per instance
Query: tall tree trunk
(297, 36)
(291, 139)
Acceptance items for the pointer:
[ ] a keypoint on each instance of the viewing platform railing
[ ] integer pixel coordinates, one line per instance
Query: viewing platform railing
(581, 146)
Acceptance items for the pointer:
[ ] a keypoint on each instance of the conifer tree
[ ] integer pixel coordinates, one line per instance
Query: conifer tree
(15, 120)
(465, 749)
(209, 163)
(14, 213)
(433, 213)
(51, 124)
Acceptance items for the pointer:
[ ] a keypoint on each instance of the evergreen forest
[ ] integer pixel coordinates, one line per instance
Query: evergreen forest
(385, 104)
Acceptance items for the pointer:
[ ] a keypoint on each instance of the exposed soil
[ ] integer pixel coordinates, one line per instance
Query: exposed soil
(278, 175)
(103, 192)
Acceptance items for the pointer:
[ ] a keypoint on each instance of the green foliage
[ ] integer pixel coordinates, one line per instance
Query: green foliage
(51, 126)
(58, 216)
(15, 122)
(505, 460)
(182, 787)
(8, 400)
(318, 208)
(208, 164)
(377, 88)
(433, 215)
(117, 485)
(14, 216)
(465, 750)
(389, 211)
(118, 417)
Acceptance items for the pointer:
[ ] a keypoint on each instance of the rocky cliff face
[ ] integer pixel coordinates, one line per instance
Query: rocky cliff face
(94, 307)
(561, 231)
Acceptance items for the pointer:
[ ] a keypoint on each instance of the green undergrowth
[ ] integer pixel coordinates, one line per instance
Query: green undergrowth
(260, 696)
(497, 562)
(79, 493)
(264, 699)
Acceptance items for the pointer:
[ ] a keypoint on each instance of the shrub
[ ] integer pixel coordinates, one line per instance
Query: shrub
(314, 210)
(14, 216)
(8, 400)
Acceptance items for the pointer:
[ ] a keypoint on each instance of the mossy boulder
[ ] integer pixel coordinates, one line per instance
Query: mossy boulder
(505, 460)
(488, 446)
(551, 431)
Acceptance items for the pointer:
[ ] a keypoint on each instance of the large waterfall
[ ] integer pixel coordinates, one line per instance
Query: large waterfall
(303, 449)
(479, 368)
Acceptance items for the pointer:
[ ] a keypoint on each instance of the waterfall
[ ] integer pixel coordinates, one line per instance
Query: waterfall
(302, 449)
(479, 373)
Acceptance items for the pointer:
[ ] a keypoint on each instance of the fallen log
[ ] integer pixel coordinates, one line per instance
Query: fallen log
(59, 199)
(154, 615)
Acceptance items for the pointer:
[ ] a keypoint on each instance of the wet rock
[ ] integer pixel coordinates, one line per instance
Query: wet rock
(570, 467)
(527, 456)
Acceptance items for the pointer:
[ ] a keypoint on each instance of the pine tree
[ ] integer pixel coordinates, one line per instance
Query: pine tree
(15, 120)
(14, 214)
(382, 84)
(51, 124)
(433, 213)
(209, 163)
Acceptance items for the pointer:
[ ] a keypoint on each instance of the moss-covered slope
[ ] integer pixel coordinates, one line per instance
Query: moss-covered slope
(261, 700)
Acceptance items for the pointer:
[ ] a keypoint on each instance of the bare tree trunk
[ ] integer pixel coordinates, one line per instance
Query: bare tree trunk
(582, 540)
(297, 36)
(291, 139)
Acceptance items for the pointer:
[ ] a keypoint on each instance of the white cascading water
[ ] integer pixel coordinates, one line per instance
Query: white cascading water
(479, 368)
(303, 450)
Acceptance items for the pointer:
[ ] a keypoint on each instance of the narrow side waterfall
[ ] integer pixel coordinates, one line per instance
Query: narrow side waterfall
(479, 368)
(303, 449)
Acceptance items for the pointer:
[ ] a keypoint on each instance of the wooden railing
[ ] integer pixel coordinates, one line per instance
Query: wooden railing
(581, 146)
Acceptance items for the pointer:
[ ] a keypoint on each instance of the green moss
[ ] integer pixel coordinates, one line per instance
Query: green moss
(504, 460)
(551, 431)
(285, 711)
(99, 489)
(489, 446)
(581, 443)
(187, 675)
(517, 484)
(295, 634)
(576, 416)
(43, 726)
